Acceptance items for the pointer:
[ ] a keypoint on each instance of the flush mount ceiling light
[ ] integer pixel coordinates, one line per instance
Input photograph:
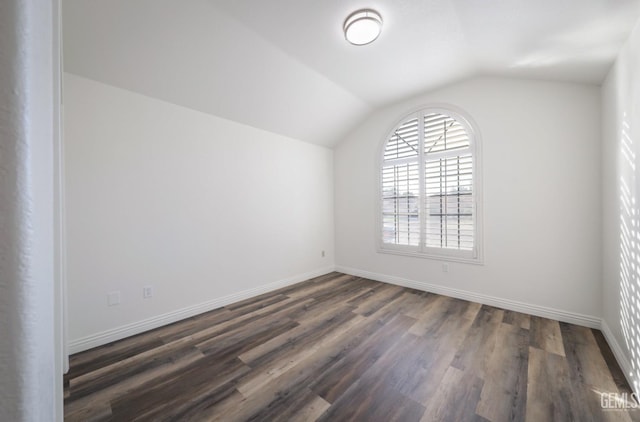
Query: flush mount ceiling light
(362, 26)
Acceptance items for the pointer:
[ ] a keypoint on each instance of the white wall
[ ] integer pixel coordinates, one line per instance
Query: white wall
(621, 209)
(542, 208)
(196, 206)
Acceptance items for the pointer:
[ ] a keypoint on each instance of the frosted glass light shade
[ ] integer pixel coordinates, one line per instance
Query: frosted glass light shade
(362, 27)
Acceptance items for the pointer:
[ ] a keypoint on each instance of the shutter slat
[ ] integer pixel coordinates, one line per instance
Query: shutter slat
(443, 133)
(403, 142)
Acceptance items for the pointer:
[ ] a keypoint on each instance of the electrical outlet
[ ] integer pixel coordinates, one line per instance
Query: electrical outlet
(147, 292)
(445, 268)
(113, 298)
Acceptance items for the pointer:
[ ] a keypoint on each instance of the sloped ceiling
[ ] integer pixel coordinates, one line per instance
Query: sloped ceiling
(284, 66)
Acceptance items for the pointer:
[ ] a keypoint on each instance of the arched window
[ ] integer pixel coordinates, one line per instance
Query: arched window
(430, 189)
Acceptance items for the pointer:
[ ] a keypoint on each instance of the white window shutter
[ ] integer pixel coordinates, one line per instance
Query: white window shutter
(427, 185)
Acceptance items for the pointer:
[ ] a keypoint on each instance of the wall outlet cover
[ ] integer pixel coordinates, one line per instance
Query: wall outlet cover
(113, 298)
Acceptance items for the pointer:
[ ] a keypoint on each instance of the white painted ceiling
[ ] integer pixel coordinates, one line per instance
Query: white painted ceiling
(284, 66)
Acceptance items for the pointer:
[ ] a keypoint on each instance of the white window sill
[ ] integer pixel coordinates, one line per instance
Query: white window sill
(426, 255)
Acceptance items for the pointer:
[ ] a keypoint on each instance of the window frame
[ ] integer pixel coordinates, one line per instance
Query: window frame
(476, 256)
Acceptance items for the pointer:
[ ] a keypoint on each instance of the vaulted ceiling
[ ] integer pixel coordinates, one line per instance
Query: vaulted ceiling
(284, 66)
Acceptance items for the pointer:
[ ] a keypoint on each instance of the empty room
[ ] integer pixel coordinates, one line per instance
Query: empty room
(234, 210)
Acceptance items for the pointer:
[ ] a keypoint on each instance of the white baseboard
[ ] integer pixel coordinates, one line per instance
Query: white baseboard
(138, 327)
(542, 311)
(619, 354)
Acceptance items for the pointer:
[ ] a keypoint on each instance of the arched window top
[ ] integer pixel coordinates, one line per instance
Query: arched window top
(430, 196)
(435, 130)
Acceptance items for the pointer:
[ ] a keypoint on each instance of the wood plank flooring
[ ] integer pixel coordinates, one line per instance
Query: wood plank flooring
(343, 348)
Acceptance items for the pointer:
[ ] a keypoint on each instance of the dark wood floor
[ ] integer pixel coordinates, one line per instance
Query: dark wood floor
(342, 348)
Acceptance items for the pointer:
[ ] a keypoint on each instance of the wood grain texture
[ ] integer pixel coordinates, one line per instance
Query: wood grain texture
(504, 391)
(339, 347)
(545, 335)
(550, 396)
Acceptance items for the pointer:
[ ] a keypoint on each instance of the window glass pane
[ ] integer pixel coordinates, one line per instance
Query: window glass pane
(400, 204)
(449, 203)
(401, 229)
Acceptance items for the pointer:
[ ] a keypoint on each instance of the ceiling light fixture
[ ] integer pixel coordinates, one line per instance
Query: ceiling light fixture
(362, 26)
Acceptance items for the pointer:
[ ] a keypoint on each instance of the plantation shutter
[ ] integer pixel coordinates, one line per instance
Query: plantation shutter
(401, 186)
(448, 184)
(427, 186)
